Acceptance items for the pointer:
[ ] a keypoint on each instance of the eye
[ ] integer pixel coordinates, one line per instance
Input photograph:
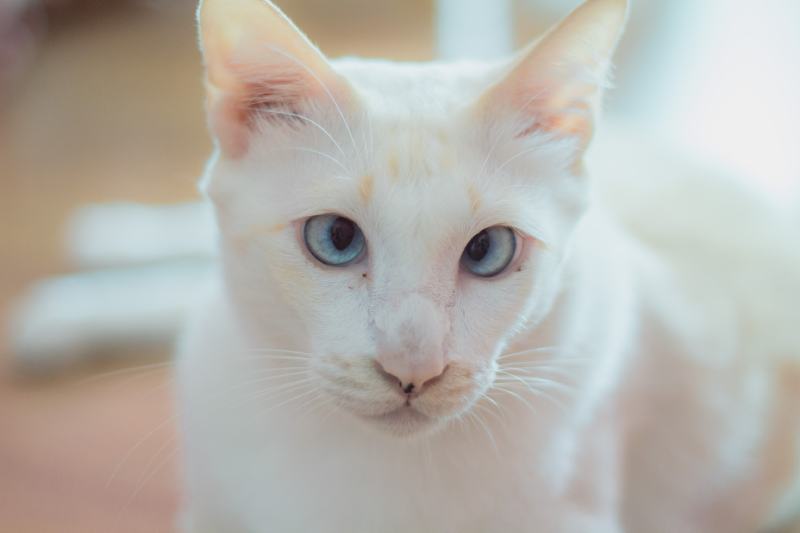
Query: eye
(490, 251)
(333, 240)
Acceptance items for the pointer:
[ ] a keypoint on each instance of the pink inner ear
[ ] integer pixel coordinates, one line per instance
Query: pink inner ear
(229, 127)
(283, 93)
(260, 69)
(571, 124)
(564, 113)
(235, 110)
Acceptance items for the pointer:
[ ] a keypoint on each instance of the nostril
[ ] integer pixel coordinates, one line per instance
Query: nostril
(407, 387)
(408, 384)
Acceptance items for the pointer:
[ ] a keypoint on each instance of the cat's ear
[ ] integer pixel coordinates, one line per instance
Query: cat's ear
(555, 86)
(258, 63)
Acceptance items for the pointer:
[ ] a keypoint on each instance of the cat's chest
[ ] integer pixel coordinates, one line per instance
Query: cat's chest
(316, 477)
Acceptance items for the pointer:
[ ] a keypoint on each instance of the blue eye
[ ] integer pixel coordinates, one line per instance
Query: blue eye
(333, 240)
(490, 251)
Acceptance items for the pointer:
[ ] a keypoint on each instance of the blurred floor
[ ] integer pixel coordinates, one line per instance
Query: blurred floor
(111, 109)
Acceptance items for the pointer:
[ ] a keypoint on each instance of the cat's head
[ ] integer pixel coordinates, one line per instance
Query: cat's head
(398, 222)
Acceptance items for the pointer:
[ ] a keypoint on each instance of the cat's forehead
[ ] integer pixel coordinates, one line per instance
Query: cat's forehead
(401, 91)
(416, 116)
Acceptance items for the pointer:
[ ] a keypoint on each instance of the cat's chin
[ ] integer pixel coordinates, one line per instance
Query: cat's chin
(405, 421)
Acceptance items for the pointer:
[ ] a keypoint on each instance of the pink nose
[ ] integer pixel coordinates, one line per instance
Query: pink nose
(412, 376)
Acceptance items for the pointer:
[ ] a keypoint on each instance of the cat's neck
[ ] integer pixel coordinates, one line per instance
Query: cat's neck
(589, 331)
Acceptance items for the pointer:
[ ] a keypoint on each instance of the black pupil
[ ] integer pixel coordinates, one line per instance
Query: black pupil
(342, 233)
(479, 246)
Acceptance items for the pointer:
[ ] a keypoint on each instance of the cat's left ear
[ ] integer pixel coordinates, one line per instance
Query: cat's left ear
(259, 64)
(555, 87)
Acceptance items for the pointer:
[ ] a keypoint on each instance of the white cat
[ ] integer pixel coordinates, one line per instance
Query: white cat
(427, 322)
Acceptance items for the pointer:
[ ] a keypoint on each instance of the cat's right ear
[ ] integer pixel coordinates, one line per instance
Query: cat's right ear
(554, 87)
(258, 63)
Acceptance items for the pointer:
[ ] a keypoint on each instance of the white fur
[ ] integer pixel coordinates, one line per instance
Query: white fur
(662, 318)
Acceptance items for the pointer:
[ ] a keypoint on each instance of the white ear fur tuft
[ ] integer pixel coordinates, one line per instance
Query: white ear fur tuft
(556, 84)
(256, 59)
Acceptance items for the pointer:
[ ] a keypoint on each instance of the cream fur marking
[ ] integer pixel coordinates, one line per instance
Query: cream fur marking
(630, 369)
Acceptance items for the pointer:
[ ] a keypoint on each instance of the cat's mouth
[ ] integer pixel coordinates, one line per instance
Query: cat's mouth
(404, 420)
(376, 401)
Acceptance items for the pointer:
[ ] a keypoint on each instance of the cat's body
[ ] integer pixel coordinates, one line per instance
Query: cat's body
(651, 351)
(694, 430)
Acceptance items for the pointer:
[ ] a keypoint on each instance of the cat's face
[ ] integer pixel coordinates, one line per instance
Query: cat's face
(400, 223)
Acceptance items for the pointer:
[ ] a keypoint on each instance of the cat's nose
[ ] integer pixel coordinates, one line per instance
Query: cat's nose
(411, 378)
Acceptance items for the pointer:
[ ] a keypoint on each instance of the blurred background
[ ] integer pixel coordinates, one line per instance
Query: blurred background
(101, 101)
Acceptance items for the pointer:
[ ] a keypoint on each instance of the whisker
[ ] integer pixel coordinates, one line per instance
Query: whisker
(269, 378)
(310, 121)
(172, 418)
(308, 406)
(541, 369)
(136, 446)
(274, 356)
(275, 363)
(290, 400)
(262, 394)
(279, 369)
(267, 395)
(536, 361)
(541, 381)
(538, 349)
(143, 482)
(554, 362)
(367, 136)
(475, 416)
(144, 369)
(154, 459)
(488, 399)
(484, 409)
(533, 390)
(316, 152)
(324, 409)
(503, 135)
(322, 84)
(279, 362)
(270, 393)
(497, 387)
(489, 155)
(519, 154)
(498, 412)
(371, 134)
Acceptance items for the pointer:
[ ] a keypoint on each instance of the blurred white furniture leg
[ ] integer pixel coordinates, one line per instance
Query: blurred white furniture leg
(125, 234)
(155, 260)
(104, 313)
(474, 29)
